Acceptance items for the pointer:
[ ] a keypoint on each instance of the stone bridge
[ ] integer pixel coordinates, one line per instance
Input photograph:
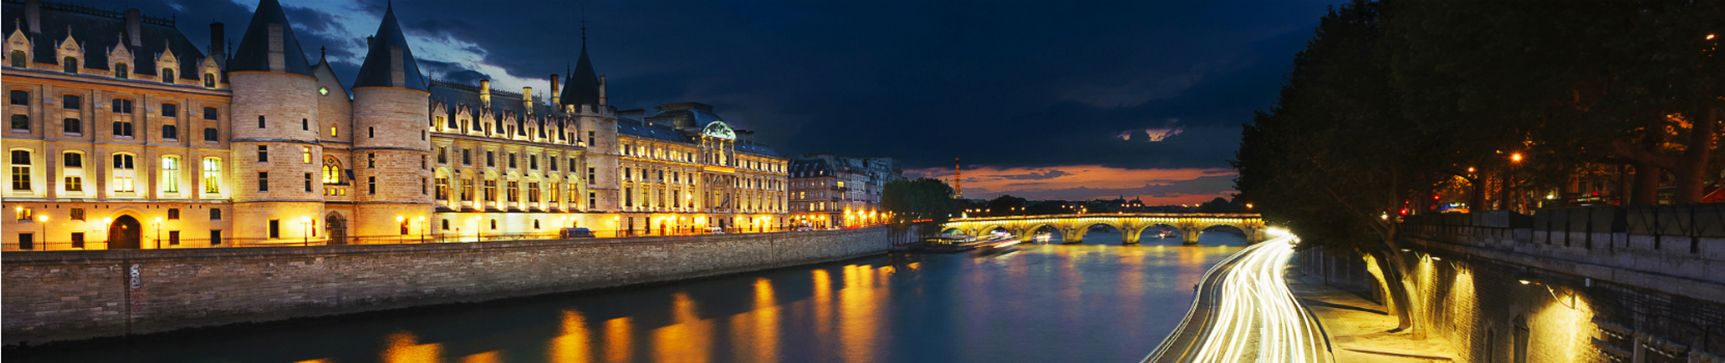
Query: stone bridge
(1131, 225)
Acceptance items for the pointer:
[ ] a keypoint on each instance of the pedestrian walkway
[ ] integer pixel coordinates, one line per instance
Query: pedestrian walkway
(1358, 329)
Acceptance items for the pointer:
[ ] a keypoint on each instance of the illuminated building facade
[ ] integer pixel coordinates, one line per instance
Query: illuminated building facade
(122, 133)
(685, 169)
(832, 191)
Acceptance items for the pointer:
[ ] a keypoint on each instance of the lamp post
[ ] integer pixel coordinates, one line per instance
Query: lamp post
(424, 229)
(305, 238)
(42, 219)
(158, 233)
(401, 224)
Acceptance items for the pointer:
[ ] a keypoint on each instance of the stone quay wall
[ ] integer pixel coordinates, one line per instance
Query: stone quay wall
(1643, 284)
(57, 296)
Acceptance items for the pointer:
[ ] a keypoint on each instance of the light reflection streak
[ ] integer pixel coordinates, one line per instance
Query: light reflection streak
(483, 357)
(618, 343)
(403, 347)
(571, 344)
(688, 339)
(856, 313)
(755, 334)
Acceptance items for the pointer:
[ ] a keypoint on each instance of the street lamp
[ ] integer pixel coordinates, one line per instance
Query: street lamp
(424, 228)
(42, 219)
(305, 238)
(158, 233)
(401, 224)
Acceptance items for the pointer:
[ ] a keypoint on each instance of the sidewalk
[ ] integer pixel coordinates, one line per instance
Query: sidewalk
(1357, 328)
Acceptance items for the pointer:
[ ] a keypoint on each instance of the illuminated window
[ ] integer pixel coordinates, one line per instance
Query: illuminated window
(125, 173)
(213, 175)
(170, 174)
(21, 168)
(331, 171)
(305, 154)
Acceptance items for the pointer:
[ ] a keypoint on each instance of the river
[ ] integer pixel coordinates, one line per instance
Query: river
(1092, 302)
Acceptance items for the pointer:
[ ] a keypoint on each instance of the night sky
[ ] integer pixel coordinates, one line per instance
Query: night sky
(1042, 99)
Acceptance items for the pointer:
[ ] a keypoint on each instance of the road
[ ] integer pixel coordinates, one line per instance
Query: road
(1244, 312)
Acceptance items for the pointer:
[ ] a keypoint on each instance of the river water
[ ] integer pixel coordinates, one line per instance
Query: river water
(1093, 302)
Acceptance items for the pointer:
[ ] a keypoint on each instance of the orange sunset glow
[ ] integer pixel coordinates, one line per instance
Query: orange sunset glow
(1083, 182)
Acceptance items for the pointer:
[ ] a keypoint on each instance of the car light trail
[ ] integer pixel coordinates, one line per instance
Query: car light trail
(1254, 316)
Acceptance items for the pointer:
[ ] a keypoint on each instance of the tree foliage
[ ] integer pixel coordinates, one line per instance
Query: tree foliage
(918, 199)
(1392, 99)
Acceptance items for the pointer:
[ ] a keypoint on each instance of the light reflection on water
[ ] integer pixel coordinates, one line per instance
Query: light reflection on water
(1093, 303)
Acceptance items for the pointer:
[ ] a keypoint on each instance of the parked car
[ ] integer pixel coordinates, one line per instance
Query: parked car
(576, 232)
(715, 230)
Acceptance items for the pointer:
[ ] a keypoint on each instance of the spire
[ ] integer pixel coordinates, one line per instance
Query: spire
(582, 87)
(269, 25)
(389, 61)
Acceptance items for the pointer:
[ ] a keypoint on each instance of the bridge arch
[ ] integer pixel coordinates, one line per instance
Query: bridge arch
(1243, 231)
(1146, 227)
(1074, 227)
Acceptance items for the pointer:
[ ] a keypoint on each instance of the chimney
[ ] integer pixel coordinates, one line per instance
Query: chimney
(368, 40)
(33, 15)
(554, 101)
(527, 98)
(601, 91)
(135, 27)
(485, 92)
(218, 37)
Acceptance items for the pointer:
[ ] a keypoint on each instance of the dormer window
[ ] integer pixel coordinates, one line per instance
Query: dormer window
(168, 75)
(70, 65)
(210, 80)
(18, 59)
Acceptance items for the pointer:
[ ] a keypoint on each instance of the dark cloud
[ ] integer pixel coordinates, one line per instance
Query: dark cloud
(1008, 83)
(1045, 174)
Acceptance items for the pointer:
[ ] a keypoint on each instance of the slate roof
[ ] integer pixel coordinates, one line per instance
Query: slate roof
(582, 87)
(253, 51)
(97, 31)
(379, 67)
(502, 103)
(757, 149)
(655, 132)
(809, 168)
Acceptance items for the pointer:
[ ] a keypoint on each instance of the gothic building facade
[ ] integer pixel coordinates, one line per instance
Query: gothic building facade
(124, 134)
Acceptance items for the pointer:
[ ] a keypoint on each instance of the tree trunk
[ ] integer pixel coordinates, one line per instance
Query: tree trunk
(1645, 188)
(1476, 194)
(1400, 287)
(1691, 172)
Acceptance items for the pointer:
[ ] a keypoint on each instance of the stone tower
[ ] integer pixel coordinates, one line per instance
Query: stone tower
(583, 99)
(274, 134)
(390, 139)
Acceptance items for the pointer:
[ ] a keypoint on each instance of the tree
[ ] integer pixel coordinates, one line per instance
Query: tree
(1222, 205)
(1006, 205)
(1334, 157)
(918, 199)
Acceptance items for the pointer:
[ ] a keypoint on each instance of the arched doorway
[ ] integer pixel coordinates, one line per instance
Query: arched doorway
(125, 233)
(335, 227)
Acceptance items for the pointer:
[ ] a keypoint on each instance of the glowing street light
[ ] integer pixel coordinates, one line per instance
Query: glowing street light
(1515, 157)
(42, 219)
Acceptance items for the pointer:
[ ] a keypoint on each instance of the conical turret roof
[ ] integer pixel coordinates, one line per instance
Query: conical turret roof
(389, 61)
(582, 88)
(255, 48)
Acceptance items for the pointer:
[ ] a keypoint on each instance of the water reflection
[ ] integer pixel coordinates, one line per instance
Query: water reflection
(1088, 302)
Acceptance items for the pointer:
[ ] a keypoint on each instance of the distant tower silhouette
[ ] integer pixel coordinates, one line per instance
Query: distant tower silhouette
(957, 179)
